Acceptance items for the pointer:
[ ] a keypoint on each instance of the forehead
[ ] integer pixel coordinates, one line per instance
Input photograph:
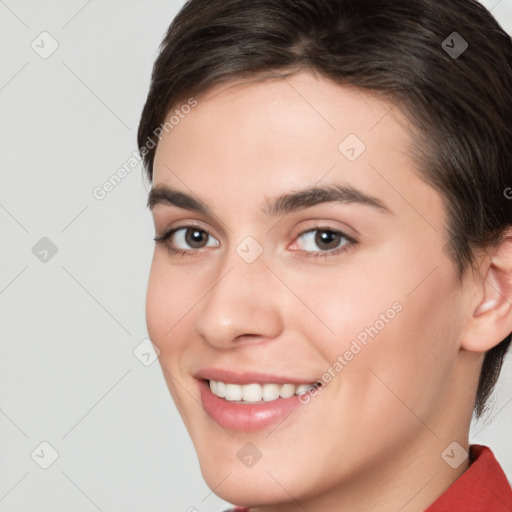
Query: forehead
(282, 117)
(267, 137)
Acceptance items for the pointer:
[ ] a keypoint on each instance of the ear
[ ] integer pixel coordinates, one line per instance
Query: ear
(491, 309)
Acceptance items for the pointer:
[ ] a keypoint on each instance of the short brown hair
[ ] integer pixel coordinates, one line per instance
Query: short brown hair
(461, 105)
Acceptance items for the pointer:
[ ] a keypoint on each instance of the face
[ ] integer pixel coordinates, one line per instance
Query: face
(350, 286)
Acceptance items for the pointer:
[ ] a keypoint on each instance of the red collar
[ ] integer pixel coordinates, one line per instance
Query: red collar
(483, 487)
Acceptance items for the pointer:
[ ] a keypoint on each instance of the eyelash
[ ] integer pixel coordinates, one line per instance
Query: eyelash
(163, 239)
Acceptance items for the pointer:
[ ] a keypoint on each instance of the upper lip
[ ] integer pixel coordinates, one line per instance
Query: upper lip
(248, 377)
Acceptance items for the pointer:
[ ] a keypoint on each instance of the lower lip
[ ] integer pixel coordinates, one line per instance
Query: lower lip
(247, 418)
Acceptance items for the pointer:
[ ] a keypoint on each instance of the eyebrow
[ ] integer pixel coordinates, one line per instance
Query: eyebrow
(286, 203)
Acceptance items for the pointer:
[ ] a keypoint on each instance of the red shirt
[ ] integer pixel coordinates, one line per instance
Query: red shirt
(483, 487)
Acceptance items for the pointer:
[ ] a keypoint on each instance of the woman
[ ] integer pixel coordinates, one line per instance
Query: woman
(331, 288)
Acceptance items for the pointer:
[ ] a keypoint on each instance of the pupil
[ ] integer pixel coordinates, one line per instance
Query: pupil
(326, 238)
(194, 237)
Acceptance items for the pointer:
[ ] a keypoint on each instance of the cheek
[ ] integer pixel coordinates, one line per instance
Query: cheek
(158, 299)
(398, 374)
(398, 321)
(357, 302)
(169, 299)
(407, 364)
(170, 296)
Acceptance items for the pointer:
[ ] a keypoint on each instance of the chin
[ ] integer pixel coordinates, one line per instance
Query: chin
(245, 487)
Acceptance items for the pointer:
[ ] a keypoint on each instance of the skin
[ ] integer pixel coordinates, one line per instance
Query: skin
(372, 439)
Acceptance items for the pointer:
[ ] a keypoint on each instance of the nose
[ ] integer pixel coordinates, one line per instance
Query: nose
(242, 305)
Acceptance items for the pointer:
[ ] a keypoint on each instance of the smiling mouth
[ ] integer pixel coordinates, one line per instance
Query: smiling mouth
(257, 393)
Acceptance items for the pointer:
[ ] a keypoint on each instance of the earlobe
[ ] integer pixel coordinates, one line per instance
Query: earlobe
(491, 320)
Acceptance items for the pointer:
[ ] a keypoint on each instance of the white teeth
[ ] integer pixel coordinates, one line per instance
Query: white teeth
(254, 393)
(287, 390)
(271, 392)
(233, 392)
(303, 388)
(221, 389)
(251, 392)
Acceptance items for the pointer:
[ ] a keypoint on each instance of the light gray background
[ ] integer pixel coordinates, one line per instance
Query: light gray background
(69, 326)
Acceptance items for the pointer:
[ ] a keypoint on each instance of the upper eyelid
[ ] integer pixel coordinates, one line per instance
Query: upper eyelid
(186, 224)
(324, 227)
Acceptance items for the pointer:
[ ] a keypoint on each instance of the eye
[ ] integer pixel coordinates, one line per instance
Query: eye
(187, 238)
(327, 241)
